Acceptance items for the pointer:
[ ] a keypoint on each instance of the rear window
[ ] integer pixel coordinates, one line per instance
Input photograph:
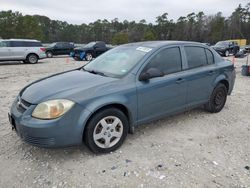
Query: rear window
(196, 56)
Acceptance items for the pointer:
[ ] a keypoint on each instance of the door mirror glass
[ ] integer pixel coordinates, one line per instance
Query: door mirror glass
(151, 73)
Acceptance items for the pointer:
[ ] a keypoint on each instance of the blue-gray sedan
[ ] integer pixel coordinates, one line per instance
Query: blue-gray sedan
(126, 86)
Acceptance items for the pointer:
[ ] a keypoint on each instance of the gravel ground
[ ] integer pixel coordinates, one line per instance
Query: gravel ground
(192, 149)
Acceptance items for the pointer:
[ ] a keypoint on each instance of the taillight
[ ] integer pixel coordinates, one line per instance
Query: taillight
(43, 49)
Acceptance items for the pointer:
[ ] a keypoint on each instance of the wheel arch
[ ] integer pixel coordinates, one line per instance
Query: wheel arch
(223, 80)
(118, 105)
(32, 53)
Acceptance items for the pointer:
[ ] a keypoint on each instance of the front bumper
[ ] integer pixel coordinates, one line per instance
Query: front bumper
(64, 131)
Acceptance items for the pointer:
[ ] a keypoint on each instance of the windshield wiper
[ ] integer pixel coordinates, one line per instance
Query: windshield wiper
(95, 72)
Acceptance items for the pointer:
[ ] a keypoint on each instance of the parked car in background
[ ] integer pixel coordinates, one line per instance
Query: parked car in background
(59, 48)
(129, 85)
(89, 51)
(225, 48)
(28, 51)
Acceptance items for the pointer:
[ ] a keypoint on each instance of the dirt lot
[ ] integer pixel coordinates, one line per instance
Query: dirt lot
(192, 149)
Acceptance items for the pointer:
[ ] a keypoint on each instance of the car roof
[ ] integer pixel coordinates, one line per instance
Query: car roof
(158, 44)
(26, 40)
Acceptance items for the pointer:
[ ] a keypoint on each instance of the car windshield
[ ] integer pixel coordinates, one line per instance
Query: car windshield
(118, 61)
(221, 43)
(52, 45)
(91, 44)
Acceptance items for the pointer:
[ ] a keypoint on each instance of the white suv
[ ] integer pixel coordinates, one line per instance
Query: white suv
(28, 51)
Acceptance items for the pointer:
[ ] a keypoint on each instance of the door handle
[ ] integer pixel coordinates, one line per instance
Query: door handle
(211, 72)
(180, 80)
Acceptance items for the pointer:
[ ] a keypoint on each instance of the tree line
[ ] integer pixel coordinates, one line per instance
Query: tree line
(192, 27)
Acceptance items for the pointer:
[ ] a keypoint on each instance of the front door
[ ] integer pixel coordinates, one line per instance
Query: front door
(162, 95)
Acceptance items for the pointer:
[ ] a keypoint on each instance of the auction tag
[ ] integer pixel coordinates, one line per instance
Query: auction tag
(144, 49)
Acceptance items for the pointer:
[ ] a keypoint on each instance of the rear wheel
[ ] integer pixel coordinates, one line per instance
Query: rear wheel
(89, 57)
(106, 131)
(32, 59)
(217, 99)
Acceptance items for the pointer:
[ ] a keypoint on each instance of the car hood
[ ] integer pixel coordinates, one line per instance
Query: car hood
(64, 86)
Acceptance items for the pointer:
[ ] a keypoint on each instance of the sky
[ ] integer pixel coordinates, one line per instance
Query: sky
(82, 11)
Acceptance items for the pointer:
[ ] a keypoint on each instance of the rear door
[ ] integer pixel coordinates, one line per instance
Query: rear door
(4, 50)
(162, 95)
(201, 72)
(18, 50)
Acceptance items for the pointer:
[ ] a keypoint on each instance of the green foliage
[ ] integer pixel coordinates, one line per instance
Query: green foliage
(120, 38)
(194, 26)
(149, 35)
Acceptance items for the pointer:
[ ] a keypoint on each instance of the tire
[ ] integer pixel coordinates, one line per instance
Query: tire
(25, 62)
(49, 54)
(226, 54)
(106, 131)
(88, 57)
(77, 59)
(217, 99)
(32, 59)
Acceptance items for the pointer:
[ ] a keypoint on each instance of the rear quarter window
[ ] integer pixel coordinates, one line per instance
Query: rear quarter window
(210, 57)
(196, 56)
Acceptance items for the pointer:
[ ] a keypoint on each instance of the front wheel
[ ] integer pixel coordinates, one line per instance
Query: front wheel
(49, 54)
(217, 99)
(106, 131)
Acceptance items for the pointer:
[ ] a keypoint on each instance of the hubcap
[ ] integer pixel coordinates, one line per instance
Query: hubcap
(88, 57)
(108, 131)
(32, 59)
(49, 54)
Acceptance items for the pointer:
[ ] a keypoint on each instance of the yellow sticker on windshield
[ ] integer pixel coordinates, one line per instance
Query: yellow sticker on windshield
(144, 49)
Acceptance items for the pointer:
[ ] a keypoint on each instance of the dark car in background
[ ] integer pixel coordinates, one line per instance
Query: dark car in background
(59, 48)
(225, 48)
(90, 51)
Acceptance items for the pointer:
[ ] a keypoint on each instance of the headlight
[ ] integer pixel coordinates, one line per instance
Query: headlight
(52, 109)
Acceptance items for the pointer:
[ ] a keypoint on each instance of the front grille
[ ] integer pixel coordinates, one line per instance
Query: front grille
(42, 142)
(22, 105)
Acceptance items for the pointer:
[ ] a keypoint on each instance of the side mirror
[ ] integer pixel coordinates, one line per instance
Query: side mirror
(151, 73)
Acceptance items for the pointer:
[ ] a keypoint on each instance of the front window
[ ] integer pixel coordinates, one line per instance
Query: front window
(118, 61)
(168, 61)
